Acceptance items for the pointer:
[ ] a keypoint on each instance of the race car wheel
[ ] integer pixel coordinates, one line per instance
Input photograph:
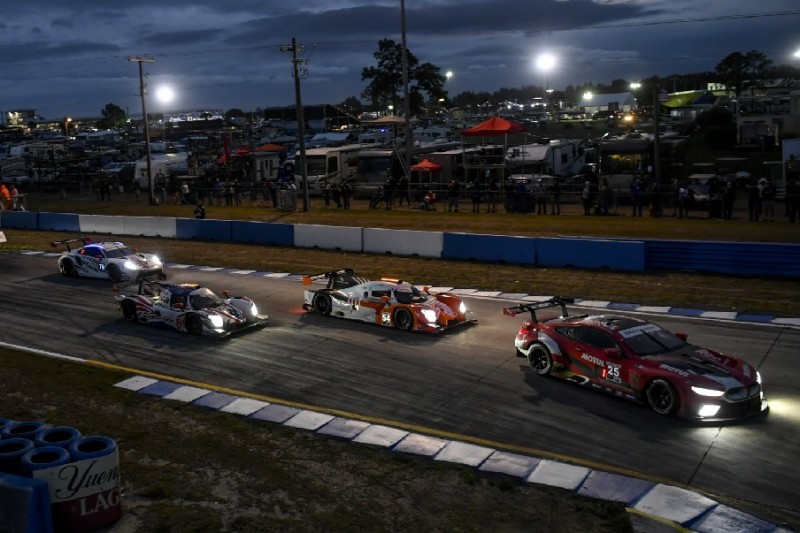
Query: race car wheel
(403, 319)
(540, 359)
(323, 304)
(129, 311)
(114, 273)
(68, 268)
(194, 325)
(662, 397)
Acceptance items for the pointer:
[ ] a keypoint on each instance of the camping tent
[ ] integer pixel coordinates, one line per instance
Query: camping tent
(494, 126)
(269, 147)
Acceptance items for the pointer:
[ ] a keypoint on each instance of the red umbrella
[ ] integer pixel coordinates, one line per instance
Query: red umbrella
(426, 164)
(495, 126)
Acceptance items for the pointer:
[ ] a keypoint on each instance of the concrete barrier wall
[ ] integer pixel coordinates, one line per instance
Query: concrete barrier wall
(102, 224)
(490, 248)
(402, 242)
(59, 222)
(737, 258)
(329, 237)
(203, 230)
(266, 233)
(151, 227)
(19, 219)
(591, 253)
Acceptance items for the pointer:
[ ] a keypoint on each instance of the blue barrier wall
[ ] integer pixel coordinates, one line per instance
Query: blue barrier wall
(591, 253)
(203, 230)
(262, 233)
(19, 219)
(59, 222)
(490, 248)
(739, 258)
(736, 258)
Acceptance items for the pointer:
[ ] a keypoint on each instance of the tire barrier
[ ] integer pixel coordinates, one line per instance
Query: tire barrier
(43, 457)
(11, 451)
(61, 436)
(25, 430)
(74, 478)
(85, 492)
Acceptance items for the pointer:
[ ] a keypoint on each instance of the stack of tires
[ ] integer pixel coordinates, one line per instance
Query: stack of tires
(78, 477)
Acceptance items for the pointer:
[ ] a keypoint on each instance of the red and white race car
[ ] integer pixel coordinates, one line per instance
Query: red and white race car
(106, 260)
(386, 302)
(637, 359)
(187, 307)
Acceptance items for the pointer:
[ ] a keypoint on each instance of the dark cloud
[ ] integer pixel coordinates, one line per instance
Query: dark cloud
(72, 57)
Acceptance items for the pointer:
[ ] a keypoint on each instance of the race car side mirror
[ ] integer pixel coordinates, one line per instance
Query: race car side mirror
(682, 336)
(614, 353)
(385, 299)
(178, 305)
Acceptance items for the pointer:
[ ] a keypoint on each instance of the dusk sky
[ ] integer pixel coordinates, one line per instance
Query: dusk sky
(70, 58)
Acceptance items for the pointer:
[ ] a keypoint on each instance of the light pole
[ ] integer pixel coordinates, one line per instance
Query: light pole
(142, 87)
(545, 62)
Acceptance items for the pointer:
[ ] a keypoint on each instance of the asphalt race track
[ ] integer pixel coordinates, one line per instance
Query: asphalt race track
(465, 381)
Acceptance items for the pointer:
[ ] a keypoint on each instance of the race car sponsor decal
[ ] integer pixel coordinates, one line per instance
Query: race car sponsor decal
(638, 330)
(612, 373)
(592, 359)
(670, 368)
(386, 318)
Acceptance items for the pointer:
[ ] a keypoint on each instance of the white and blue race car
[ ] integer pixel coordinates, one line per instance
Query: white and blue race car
(188, 307)
(107, 260)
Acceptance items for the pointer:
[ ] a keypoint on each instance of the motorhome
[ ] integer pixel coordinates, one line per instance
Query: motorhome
(331, 164)
(556, 157)
(161, 166)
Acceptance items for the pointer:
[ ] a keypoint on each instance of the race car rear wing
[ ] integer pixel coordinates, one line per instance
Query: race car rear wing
(537, 306)
(337, 279)
(83, 240)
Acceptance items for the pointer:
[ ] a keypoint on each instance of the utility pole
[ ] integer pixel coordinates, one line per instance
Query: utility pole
(657, 132)
(297, 73)
(142, 87)
(406, 104)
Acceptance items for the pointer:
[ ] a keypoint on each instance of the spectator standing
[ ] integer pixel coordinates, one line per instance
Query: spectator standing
(604, 198)
(346, 190)
(336, 193)
(229, 193)
(237, 192)
(540, 196)
(753, 200)
(388, 194)
(768, 193)
(793, 199)
(403, 190)
(475, 192)
(555, 197)
(14, 194)
(683, 200)
(586, 196)
(184, 192)
(637, 192)
(200, 211)
(5, 196)
(655, 200)
(453, 193)
(326, 194)
(219, 191)
(494, 193)
(728, 198)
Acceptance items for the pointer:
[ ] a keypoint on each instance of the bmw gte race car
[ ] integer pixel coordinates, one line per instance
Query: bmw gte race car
(387, 302)
(188, 307)
(106, 260)
(637, 359)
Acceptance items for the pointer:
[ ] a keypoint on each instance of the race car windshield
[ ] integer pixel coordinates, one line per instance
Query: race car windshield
(411, 295)
(116, 253)
(650, 339)
(203, 298)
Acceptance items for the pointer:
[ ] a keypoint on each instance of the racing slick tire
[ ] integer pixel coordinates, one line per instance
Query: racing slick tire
(194, 325)
(323, 304)
(68, 268)
(662, 397)
(129, 311)
(403, 319)
(540, 359)
(114, 273)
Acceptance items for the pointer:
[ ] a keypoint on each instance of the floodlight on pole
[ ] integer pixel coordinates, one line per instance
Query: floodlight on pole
(142, 92)
(545, 62)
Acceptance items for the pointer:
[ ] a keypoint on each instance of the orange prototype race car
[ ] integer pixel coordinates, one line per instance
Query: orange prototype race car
(387, 302)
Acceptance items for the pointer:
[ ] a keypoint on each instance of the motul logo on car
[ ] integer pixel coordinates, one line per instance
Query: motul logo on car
(593, 359)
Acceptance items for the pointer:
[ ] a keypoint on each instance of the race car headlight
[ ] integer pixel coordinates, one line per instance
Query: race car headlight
(130, 265)
(707, 410)
(253, 310)
(462, 308)
(155, 259)
(216, 321)
(758, 377)
(429, 314)
(707, 392)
